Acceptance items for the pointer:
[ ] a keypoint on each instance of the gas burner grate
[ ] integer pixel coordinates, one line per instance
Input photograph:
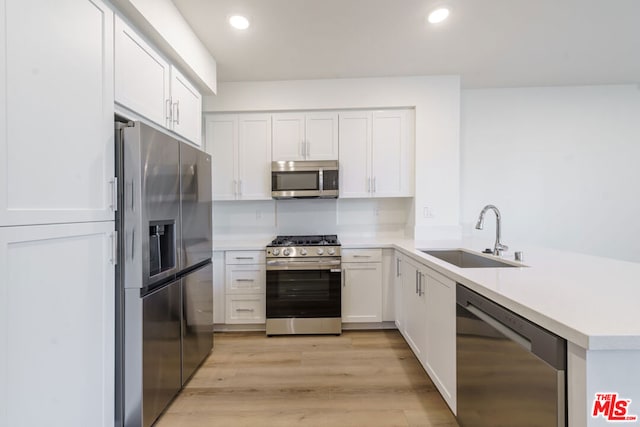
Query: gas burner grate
(318, 240)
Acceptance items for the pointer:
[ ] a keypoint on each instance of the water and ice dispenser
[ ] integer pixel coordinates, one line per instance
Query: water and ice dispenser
(162, 246)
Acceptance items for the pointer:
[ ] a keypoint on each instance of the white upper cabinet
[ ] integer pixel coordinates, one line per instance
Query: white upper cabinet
(254, 156)
(288, 137)
(376, 153)
(321, 138)
(142, 76)
(151, 87)
(240, 145)
(56, 112)
(186, 108)
(221, 132)
(391, 154)
(305, 136)
(355, 154)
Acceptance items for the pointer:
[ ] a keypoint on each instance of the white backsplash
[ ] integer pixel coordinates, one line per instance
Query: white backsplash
(244, 219)
(235, 220)
(312, 216)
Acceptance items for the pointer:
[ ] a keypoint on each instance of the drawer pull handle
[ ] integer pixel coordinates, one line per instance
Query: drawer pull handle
(245, 280)
(362, 256)
(244, 257)
(244, 309)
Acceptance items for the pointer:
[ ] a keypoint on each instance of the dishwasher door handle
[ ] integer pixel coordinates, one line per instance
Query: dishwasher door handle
(500, 327)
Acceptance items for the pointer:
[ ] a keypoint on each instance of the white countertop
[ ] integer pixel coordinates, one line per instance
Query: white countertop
(591, 301)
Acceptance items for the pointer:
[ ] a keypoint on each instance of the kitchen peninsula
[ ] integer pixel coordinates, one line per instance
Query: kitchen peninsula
(590, 301)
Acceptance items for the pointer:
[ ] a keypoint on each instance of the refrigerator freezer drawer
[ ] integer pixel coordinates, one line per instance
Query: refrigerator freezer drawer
(197, 319)
(161, 350)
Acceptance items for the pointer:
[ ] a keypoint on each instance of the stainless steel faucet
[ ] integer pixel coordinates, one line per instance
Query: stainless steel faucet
(498, 247)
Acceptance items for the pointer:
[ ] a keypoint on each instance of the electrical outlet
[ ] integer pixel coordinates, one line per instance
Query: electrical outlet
(427, 212)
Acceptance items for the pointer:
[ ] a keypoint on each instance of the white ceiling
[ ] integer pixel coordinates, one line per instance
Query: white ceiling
(490, 43)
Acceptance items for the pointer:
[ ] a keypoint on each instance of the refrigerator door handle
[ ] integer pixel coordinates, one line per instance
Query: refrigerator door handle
(133, 233)
(132, 198)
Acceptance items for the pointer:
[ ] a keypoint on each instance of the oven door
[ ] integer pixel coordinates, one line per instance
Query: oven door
(307, 290)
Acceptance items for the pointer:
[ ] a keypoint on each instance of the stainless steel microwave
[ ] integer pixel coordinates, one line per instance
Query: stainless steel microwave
(302, 179)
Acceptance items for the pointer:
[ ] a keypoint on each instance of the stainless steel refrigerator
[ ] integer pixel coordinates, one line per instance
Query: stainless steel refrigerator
(164, 292)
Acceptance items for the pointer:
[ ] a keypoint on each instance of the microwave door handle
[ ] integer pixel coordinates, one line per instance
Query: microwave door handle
(320, 181)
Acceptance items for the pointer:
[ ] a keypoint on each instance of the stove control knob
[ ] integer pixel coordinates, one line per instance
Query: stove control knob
(320, 251)
(303, 251)
(286, 252)
(331, 251)
(276, 252)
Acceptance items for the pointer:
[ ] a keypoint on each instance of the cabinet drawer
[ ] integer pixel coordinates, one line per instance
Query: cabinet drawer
(245, 309)
(244, 257)
(245, 279)
(362, 255)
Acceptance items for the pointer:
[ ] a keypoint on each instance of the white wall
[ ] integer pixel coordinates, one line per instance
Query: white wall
(562, 164)
(436, 100)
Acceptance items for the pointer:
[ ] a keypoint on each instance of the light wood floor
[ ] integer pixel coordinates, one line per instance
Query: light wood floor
(362, 378)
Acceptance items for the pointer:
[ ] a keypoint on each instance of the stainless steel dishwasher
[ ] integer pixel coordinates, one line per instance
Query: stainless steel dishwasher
(510, 372)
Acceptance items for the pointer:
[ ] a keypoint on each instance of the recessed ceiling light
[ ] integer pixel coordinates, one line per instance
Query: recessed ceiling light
(239, 22)
(438, 15)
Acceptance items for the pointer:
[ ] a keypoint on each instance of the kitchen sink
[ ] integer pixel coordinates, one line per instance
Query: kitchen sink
(465, 259)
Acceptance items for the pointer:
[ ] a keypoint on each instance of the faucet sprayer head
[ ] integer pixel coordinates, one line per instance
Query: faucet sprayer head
(480, 223)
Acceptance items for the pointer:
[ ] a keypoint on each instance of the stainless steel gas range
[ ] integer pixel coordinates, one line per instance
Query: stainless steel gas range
(304, 285)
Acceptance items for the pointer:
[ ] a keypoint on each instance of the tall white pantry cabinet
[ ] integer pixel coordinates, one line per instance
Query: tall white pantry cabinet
(56, 213)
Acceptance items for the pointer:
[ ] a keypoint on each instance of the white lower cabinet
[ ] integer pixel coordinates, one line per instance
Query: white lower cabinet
(388, 285)
(218, 287)
(245, 308)
(57, 328)
(398, 292)
(361, 285)
(245, 279)
(415, 307)
(426, 317)
(245, 287)
(440, 326)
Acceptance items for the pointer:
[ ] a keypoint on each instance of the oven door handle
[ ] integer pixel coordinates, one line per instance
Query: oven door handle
(334, 266)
